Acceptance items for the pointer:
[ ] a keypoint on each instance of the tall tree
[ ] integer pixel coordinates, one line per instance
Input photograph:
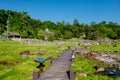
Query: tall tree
(76, 22)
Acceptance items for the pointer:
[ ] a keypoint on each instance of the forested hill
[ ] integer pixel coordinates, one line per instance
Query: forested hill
(22, 23)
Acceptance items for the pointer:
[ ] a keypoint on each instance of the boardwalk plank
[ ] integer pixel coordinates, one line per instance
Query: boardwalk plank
(59, 68)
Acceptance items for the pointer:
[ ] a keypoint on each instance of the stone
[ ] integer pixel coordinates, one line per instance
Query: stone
(82, 74)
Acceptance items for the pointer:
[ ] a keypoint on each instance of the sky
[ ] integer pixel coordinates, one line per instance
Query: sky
(85, 11)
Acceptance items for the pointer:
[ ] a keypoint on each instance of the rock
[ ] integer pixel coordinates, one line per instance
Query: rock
(99, 68)
(25, 53)
(82, 74)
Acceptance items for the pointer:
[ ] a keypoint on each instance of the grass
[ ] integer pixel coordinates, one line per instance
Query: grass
(105, 48)
(10, 51)
(86, 66)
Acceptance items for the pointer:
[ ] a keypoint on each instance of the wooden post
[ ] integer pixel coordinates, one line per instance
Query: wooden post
(36, 74)
(41, 66)
(72, 75)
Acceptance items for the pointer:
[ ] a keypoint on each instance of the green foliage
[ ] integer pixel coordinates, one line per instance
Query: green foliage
(57, 35)
(76, 22)
(22, 23)
(105, 48)
(40, 34)
(67, 35)
(111, 34)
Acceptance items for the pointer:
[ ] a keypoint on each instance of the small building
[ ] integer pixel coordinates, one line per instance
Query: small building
(12, 35)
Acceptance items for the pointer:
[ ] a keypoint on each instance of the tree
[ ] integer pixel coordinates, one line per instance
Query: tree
(94, 35)
(76, 22)
(21, 22)
(111, 34)
(2, 29)
(88, 33)
(8, 23)
(67, 35)
(57, 35)
(40, 34)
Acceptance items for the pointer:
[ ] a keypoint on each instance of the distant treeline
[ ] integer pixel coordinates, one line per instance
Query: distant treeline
(22, 23)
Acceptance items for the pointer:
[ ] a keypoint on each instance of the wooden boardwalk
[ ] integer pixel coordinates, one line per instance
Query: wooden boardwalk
(59, 68)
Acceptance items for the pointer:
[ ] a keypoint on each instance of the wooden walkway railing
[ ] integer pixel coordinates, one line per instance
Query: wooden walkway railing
(59, 69)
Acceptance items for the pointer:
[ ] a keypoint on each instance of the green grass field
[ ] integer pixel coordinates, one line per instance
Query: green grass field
(10, 52)
(21, 68)
(106, 48)
(86, 66)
